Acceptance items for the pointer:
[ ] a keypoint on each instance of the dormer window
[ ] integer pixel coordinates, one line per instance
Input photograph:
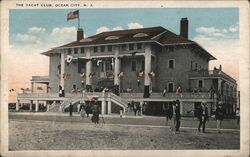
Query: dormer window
(138, 35)
(86, 40)
(111, 38)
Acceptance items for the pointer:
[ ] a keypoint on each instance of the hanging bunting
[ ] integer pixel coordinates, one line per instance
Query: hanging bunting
(66, 76)
(151, 75)
(140, 74)
(69, 59)
(82, 75)
(120, 75)
(91, 74)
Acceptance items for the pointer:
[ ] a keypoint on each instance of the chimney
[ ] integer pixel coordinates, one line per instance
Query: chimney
(184, 27)
(80, 34)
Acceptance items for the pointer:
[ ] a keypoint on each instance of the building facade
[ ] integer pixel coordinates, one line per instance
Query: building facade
(137, 65)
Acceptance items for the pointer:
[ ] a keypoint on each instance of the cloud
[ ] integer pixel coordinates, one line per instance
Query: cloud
(234, 28)
(36, 30)
(117, 28)
(230, 32)
(27, 38)
(134, 25)
(102, 29)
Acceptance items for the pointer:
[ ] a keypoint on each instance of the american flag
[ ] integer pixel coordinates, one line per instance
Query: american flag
(73, 15)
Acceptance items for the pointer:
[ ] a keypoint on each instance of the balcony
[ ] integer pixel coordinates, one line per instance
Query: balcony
(211, 74)
(40, 79)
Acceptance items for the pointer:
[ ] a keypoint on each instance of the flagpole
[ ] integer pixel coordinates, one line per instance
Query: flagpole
(78, 20)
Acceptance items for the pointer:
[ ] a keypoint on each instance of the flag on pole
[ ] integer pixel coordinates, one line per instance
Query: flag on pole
(73, 15)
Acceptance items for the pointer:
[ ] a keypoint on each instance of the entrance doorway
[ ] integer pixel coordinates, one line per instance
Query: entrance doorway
(106, 69)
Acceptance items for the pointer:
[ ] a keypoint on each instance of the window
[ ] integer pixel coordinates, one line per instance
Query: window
(124, 47)
(143, 65)
(139, 46)
(75, 50)
(200, 83)
(170, 87)
(171, 64)
(109, 48)
(69, 51)
(102, 48)
(74, 86)
(131, 46)
(133, 65)
(95, 48)
(82, 50)
(80, 65)
(138, 35)
(196, 66)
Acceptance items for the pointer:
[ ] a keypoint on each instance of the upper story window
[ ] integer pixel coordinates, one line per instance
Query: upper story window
(171, 63)
(124, 47)
(75, 50)
(109, 48)
(111, 38)
(139, 46)
(138, 35)
(170, 87)
(95, 48)
(102, 48)
(196, 66)
(200, 84)
(133, 65)
(131, 46)
(69, 51)
(82, 50)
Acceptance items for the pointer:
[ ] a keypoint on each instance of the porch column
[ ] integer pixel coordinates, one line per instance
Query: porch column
(31, 103)
(32, 87)
(117, 70)
(17, 105)
(62, 73)
(37, 106)
(88, 69)
(103, 107)
(141, 103)
(147, 80)
(109, 107)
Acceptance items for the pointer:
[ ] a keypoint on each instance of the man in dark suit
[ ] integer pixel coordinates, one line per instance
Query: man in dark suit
(202, 115)
(178, 115)
(70, 109)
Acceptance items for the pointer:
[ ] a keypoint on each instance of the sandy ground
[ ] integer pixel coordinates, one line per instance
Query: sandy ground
(54, 135)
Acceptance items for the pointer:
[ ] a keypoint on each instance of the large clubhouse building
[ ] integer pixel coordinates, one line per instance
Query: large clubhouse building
(134, 65)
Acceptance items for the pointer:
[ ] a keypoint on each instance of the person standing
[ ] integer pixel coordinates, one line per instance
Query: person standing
(238, 116)
(177, 115)
(219, 115)
(78, 108)
(173, 119)
(135, 108)
(70, 109)
(82, 111)
(202, 115)
(95, 110)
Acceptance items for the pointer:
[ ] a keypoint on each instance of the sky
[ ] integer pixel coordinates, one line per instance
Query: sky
(33, 31)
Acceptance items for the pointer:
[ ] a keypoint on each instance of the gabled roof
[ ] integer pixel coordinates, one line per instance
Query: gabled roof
(157, 35)
(127, 36)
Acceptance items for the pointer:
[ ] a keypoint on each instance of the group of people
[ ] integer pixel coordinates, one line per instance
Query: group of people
(86, 109)
(173, 116)
(136, 107)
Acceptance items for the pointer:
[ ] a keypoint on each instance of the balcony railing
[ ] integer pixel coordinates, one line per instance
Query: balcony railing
(40, 79)
(211, 73)
(200, 95)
